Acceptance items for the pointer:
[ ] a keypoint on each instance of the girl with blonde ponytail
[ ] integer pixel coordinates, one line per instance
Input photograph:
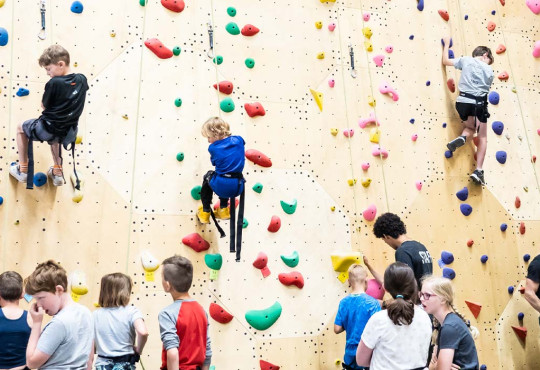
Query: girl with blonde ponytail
(455, 340)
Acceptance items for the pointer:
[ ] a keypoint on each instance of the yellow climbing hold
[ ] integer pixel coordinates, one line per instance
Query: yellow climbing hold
(77, 196)
(113, 34)
(334, 131)
(337, 362)
(318, 25)
(374, 135)
(351, 182)
(318, 96)
(371, 101)
(78, 285)
(78, 139)
(366, 182)
(75, 64)
(320, 56)
(342, 261)
(368, 45)
(2, 2)
(328, 1)
(333, 208)
(367, 32)
(125, 116)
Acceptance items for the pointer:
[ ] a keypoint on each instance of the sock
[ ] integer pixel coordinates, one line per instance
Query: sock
(57, 170)
(23, 167)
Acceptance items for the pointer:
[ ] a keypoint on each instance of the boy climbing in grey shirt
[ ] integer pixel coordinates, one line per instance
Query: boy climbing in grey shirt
(471, 104)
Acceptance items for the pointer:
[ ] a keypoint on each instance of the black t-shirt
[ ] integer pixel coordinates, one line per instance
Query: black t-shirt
(454, 334)
(63, 99)
(417, 257)
(533, 272)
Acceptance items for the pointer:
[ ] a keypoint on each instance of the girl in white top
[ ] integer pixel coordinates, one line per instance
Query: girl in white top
(116, 324)
(398, 337)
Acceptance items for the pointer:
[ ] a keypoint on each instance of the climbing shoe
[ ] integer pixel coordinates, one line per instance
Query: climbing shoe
(204, 217)
(223, 213)
(456, 143)
(15, 171)
(56, 180)
(478, 177)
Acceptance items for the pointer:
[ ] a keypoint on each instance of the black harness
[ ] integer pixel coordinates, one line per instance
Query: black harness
(480, 103)
(131, 358)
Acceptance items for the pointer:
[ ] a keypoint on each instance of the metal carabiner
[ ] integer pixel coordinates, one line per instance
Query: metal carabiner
(351, 53)
(42, 34)
(210, 52)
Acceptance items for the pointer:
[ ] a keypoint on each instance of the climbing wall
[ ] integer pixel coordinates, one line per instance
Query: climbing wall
(151, 73)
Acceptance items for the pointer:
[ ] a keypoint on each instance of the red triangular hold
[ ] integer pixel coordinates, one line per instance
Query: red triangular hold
(520, 331)
(475, 308)
(522, 290)
(265, 365)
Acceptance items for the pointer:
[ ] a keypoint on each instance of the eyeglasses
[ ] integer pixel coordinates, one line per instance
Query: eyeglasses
(425, 296)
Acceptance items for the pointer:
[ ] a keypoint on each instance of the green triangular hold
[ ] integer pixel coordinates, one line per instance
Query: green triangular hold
(263, 319)
(289, 208)
(292, 260)
(196, 192)
(257, 187)
(213, 261)
(232, 28)
(227, 105)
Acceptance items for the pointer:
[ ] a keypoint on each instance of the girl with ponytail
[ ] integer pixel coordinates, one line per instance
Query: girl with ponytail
(455, 340)
(398, 337)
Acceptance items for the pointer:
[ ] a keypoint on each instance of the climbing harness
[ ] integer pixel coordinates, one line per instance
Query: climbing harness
(210, 52)
(480, 103)
(351, 53)
(42, 33)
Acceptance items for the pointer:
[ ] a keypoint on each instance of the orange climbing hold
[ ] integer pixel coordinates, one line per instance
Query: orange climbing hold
(522, 228)
(475, 308)
(219, 314)
(158, 48)
(275, 224)
(292, 278)
(174, 5)
(517, 202)
(258, 158)
(444, 14)
(491, 26)
(265, 365)
(451, 85)
(249, 30)
(503, 76)
(254, 109)
(520, 331)
(500, 49)
(225, 87)
(196, 242)
(470, 243)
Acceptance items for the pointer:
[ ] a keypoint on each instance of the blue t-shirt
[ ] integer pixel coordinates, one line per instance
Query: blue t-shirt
(353, 314)
(454, 334)
(228, 156)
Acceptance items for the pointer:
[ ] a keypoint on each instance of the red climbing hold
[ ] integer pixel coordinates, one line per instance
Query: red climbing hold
(533, 159)
(451, 85)
(218, 204)
(500, 49)
(475, 308)
(260, 263)
(444, 14)
(292, 278)
(503, 76)
(249, 30)
(158, 48)
(517, 202)
(522, 228)
(254, 109)
(522, 290)
(196, 242)
(174, 5)
(503, 2)
(267, 365)
(225, 87)
(219, 314)
(470, 243)
(258, 158)
(275, 224)
(491, 26)
(520, 331)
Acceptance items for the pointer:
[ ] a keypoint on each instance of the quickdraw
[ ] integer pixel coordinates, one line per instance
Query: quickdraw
(210, 53)
(351, 53)
(42, 33)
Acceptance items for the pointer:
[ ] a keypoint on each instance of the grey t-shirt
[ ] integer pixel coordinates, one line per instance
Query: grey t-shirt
(114, 331)
(67, 338)
(476, 78)
(454, 334)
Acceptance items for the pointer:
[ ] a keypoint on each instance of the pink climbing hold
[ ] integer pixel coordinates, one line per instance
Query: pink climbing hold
(379, 151)
(254, 109)
(292, 278)
(225, 87)
(258, 158)
(365, 166)
(419, 185)
(249, 30)
(174, 5)
(389, 49)
(348, 132)
(158, 48)
(378, 59)
(444, 14)
(331, 27)
(366, 16)
(375, 289)
(500, 49)
(275, 224)
(491, 26)
(385, 88)
(370, 213)
(534, 5)
(363, 122)
(414, 137)
(260, 263)
(331, 82)
(451, 85)
(536, 49)
(196, 242)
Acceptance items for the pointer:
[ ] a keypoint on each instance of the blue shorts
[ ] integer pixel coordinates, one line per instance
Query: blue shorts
(226, 187)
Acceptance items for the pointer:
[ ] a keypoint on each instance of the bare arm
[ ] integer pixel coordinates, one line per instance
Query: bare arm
(375, 274)
(142, 335)
(338, 329)
(445, 358)
(34, 357)
(172, 359)
(530, 294)
(445, 60)
(363, 354)
(206, 367)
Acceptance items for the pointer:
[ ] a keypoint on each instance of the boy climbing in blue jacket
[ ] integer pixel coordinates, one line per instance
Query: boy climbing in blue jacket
(471, 104)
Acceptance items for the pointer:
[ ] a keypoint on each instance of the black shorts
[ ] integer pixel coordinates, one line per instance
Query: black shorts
(35, 129)
(466, 110)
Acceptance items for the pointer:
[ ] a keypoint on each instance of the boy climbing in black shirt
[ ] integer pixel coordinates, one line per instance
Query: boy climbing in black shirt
(62, 104)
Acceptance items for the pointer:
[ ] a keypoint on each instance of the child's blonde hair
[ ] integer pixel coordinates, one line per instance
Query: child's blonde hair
(52, 55)
(216, 127)
(115, 290)
(357, 274)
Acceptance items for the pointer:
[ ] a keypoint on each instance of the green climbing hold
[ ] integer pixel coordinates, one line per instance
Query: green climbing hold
(232, 28)
(257, 187)
(196, 192)
(218, 59)
(213, 261)
(227, 105)
(245, 224)
(250, 62)
(289, 208)
(263, 319)
(180, 157)
(292, 260)
(176, 50)
(231, 11)
(178, 102)
(142, 2)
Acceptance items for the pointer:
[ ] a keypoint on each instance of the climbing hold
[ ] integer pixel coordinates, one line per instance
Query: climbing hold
(219, 314)
(342, 261)
(449, 273)
(254, 109)
(149, 262)
(318, 25)
(258, 187)
(526, 257)
(225, 87)
(444, 14)
(466, 209)
(522, 228)
(331, 82)
(450, 54)
(367, 32)
(265, 365)
(227, 105)
(448, 154)
(261, 262)
(231, 11)
(378, 59)
(289, 208)
(414, 137)
(463, 194)
(245, 223)
(420, 5)
(504, 227)
(491, 26)
(158, 48)
(365, 166)
(178, 102)
(351, 182)
(370, 212)
(517, 202)
(213, 261)
(470, 243)
(428, 83)
(385, 88)
(447, 257)
(174, 5)
(1, 201)
(363, 122)
(249, 30)
(418, 185)
(534, 5)
(320, 56)
(494, 97)
(374, 135)
(411, 37)
(497, 127)
(292, 278)
(40, 179)
(500, 49)
(411, 121)
(366, 182)
(333, 208)
(378, 151)
(510, 289)
(232, 28)
(375, 289)
(521, 315)
(291, 260)
(263, 319)
(334, 131)
(503, 2)
(2, 2)
(475, 308)
(77, 7)
(521, 331)
(275, 224)
(371, 101)
(503, 76)
(249, 62)
(180, 156)
(484, 258)
(331, 27)
(218, 59)
(196, 242)
(368, 46)
(366, 16)
(22, 92)
(318, 96)
(501, 156)
(196, 192)
(348, 132)
(258, 158)
(466, 17)
(4, 36)
(536, 49)
(451, 85)
(78, 284)
(389, 49)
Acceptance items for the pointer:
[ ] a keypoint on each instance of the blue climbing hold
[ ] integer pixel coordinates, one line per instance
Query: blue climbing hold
(447, 257)
(451, 43)
(510, 289)
(448, 154)
(411, 120)
(411, 37)
(494, 97)
(501, 156)
(463, 194)
(467, 17)
(4, 37)
(451, 54)
(444, 125)
(40, 179)
(526, 257)
(1, 201)
(448, 273)
(521, 315)
(497, 127)
(493, 12)
(484, 258)
(22, 91)
(420, 5)
(483, 367)
(77, 7)
(428, 83)
(504, 227)
(466, 209)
